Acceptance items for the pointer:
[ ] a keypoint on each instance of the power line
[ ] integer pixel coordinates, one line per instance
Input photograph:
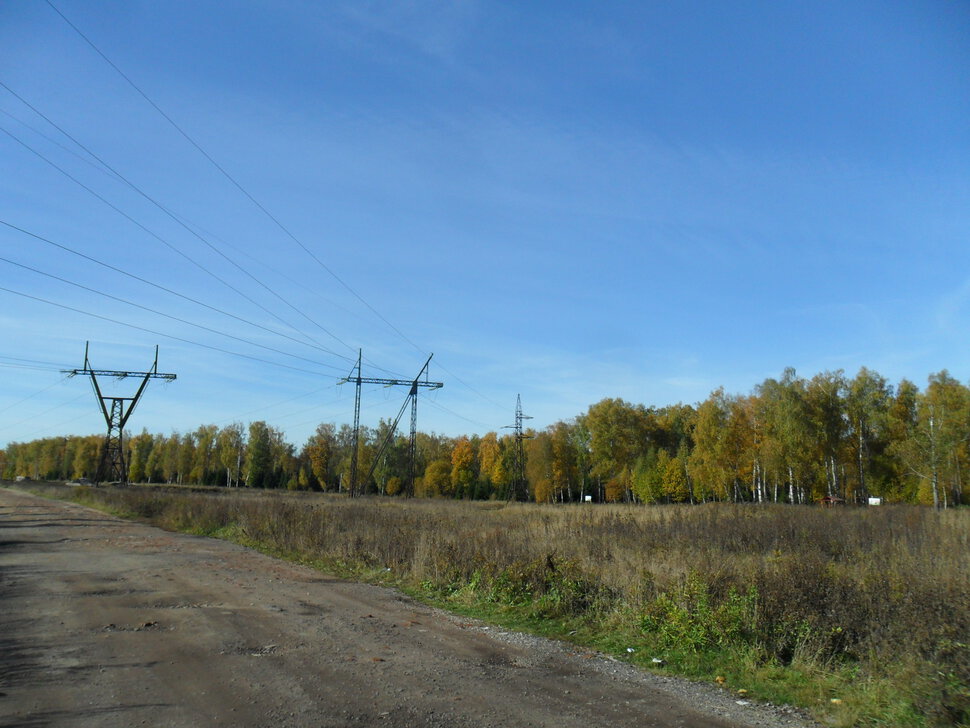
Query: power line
(34, 361)
(231, 179)
(442, 408)
(31, 396)
(286, 401)
(198, 147)
(306, 288)
(149, 232)
(56, 143)
(208, 233)
(160, 313)
(274, 404)
(29, 366)
(113, 464)
(41, 414)
(176, 219)
(168, 290)
(470, 387)
(59, 424)
(159, 333)
(372, 405)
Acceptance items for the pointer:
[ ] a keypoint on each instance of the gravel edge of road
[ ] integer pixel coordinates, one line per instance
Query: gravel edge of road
(702, 696)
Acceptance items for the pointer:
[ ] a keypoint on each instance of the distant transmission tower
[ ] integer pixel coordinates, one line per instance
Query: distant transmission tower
(518, 487)
(113, 466)
(358, 489)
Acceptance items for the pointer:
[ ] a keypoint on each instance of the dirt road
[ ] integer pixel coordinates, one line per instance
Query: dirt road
(105, 622)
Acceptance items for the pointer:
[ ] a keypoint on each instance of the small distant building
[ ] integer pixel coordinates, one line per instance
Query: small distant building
(831, 500)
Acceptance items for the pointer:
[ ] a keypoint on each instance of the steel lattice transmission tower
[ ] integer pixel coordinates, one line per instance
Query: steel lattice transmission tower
(355, 488)
(113, 465)
(518, 487)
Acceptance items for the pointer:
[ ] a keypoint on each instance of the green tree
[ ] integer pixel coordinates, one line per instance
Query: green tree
(672, 427)
(786, 448)
(827, 422)
(395, 485)
(708, 461)
(463, 466)
(618, 436)
(205, 453)
(867, 403)
(186, 457)
(140, 447)
(259, 459)
(676, 485)
(230, 448)
(647, 479)
(153, 463)
(428, 448)
(934, 446)
(491, 474)
(564, 475)
(539, 466)
(724, 457)
(319, 450)
(437, 479)
(86, 456)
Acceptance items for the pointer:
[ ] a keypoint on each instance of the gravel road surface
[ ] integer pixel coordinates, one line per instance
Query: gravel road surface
(106, 622)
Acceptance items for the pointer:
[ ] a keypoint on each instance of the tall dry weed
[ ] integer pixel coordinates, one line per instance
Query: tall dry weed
(886, 588)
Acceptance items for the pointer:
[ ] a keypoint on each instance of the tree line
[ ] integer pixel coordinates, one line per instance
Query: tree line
(790, 440)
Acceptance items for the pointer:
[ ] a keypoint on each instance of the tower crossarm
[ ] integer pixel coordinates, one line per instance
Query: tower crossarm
(391, 382)
(116, 411)
(413, 385)
(117, 374)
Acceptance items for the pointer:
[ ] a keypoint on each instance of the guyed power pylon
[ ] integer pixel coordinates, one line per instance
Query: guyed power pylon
(356, 489)
(113, 465)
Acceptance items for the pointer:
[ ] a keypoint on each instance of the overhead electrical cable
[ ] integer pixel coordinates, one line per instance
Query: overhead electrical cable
(363, 407)
(255, 202)
(165, 315)
(240, 251)
(151, 233)
(36, 361)
(31, 396)
(48, 428)
(33, 367)
(286, 401)
(174, 218)
(274, 404)
(168, 290)
(441, 407)
(309, 290)
(211, 235)
(470, 387)
(52, 140)
(231, 179)
(41, 414)
(159, 333)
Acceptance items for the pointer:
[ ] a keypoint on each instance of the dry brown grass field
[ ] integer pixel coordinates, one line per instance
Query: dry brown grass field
(860, 614)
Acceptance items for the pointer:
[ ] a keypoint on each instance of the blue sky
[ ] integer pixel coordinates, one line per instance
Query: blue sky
(570, 201)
